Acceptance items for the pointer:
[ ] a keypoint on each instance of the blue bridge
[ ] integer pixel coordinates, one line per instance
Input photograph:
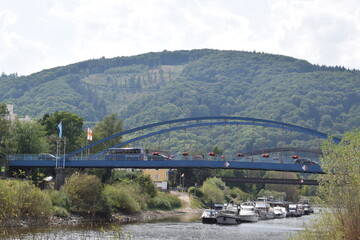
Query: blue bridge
(244, 161)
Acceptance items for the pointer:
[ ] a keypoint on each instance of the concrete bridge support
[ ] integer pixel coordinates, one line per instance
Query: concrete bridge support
(60, 175)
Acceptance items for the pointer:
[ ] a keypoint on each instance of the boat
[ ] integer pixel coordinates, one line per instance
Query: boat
(247, 212)
(229, 215)
(209, 216)
(296, 210)
(263, 208)
(307, 207)
(280, 212)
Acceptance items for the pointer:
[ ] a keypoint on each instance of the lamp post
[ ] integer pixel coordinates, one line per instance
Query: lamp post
(64, 153)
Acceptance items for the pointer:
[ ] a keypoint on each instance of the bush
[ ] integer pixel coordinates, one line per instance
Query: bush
(60, 211)
(164, 202)
(21, 199)
(121, 200)
(59, 199)
(84, 192)
(196, 192)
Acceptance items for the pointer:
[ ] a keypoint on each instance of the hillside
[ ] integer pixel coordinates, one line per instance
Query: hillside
(166, 85)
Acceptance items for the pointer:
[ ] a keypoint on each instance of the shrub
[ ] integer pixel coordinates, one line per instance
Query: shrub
(60, 211)
(164, 202)
(59, 198)
(121, 200)
(21, 199)
(84, 192)
(135, 190)
(196, 192)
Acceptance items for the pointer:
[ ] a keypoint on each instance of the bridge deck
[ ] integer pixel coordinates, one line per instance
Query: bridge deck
(166, 164)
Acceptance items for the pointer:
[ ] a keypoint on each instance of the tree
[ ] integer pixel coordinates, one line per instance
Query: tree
(108, 127)
(71, 128)
(292, 192)
(339, 189)
(27, 138)
(4, 129)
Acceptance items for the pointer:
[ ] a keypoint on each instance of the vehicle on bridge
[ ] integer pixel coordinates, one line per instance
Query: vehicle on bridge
(124, 154)
(46, 156)
(305, 161)
(158, 156)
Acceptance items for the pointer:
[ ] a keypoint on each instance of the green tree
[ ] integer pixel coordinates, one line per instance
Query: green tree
(4, 129)
(71, 128)
(27, 137)
(108, 127)
(292, 192)
(339, 189)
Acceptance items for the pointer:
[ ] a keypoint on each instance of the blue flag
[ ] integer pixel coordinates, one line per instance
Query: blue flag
(60, 129)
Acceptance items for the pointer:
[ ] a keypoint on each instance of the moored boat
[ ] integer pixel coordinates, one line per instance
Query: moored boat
(264, 209)
(209, 216)
(229, 215)
(307, 207)
(280, 212)
(247, 212)
(295, 210)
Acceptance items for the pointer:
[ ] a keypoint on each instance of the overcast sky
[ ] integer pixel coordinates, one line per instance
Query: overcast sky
(42, 34)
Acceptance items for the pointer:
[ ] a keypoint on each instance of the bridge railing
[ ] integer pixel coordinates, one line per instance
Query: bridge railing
(102, 157)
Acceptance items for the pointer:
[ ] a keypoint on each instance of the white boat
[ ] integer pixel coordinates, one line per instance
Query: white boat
(280, 212)
(296, 210)
(209, 216)
(264, 209)
(307, 207)
(229, 215)
(247, 212)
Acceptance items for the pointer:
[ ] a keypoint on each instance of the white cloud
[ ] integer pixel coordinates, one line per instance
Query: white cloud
(320, 31)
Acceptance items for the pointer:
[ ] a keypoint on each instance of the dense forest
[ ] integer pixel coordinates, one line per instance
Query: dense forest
(167, 85)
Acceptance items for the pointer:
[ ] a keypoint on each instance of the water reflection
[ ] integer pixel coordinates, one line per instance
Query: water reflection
(187, 226)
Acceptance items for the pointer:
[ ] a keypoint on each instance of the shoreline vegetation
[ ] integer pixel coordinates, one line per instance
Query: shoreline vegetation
(83, 198)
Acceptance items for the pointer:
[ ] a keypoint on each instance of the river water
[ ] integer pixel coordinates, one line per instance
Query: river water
(180, 227)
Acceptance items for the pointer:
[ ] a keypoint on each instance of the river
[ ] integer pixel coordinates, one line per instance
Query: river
(183, 227)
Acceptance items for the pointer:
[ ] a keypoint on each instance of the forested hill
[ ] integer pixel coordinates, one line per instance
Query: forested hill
(167, 85)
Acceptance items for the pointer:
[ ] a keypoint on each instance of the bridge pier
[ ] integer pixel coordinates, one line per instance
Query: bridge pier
(60, 175)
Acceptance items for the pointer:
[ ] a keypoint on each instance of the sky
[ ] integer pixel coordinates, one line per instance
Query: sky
(42, 34)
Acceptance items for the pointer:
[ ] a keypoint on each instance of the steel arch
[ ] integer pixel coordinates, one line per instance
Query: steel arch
(246, 121)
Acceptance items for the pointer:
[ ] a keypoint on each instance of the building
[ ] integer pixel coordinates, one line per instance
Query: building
(12, 115)
(159, 177)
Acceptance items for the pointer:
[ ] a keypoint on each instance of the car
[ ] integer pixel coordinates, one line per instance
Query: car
(46, 156)
(305, 161)
(155, 157)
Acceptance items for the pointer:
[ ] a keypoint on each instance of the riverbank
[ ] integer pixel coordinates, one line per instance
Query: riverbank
(141, 216)
(118, 217)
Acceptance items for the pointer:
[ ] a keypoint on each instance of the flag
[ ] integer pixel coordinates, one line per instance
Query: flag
(89, 134)
(60, 129)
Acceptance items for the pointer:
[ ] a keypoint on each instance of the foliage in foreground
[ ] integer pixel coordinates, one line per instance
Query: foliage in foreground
(339, 190)
(22, 200)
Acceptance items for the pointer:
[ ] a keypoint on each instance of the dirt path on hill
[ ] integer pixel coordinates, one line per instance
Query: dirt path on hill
(185, 201)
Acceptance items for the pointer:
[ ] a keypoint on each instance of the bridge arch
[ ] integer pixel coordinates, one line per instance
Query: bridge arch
(226, 121)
